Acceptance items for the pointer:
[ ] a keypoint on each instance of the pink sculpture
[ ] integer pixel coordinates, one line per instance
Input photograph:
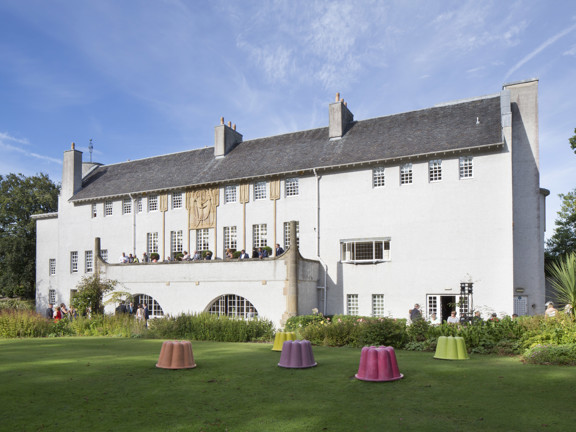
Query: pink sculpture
(176, 355)
(297, 354)
(378, 364)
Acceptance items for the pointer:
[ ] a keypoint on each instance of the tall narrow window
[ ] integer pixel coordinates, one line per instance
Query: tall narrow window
(126, 206)
(153, 203)
(94, 211)
(74, 262)
(177, 200)
(108, 208)
(52, 267)
(352, 304)
(230, 239)
(52, 296)
(139, 205)
(104, 254)
(406, 174)
(230, 194)
(175, 242)
(260, 190)
(151, 242)
(378, 179)
(435, 170)
(287, 234)
(377, 305)
(466, 167)
(291, 187)
(203, 239)
(88, 262)
(259, 235)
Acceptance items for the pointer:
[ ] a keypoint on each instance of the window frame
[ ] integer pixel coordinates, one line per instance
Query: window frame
(406, 173)
(177, 200)
(52, 267)
(352, 305)
(230, 194)
(88, 261)
(151, 243)
(259, 235)
(286, 230)
(108, 208)
(203, 239)
(176, 242)
(352, 250)
(74, 261)
(126, 206)
(230, 236)
(291, 187)
(466, 167)
(435, 170)
(259, 190)
(378, 177)
(153, 204)
(378, 306)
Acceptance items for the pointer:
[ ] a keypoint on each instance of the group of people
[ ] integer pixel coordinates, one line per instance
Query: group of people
(141, 312)
(59, 312)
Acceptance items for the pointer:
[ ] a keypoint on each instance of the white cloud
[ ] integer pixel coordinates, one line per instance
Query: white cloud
(5, 144)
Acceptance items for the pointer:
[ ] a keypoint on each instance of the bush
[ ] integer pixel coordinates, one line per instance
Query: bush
(564, 355)
(23, 323)
(299, 321)
(154, 256)
(16, 304)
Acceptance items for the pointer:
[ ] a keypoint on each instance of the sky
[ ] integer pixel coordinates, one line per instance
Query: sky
(142, 78)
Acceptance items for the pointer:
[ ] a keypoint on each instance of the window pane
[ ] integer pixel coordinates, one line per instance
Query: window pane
(291, 187)
(378, 177)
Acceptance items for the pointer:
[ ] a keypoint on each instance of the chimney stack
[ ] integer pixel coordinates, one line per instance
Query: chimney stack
(225, 138)
(71, 172)
(340, 118)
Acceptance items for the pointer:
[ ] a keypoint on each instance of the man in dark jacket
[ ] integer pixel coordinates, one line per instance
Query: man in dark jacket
(50, 311)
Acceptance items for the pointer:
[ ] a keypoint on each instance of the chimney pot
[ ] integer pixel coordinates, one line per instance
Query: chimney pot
(221, 120)
(234, 126)
(73, 146)
(337, 97)
(229, 124)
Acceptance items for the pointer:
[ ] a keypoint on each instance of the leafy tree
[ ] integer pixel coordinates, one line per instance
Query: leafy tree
(563, 279)
(20, 198)
(564, 239)
(91, 290)
(573, 142)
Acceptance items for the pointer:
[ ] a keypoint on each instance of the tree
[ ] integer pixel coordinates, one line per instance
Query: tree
(563, 280)
(20, 198)
(91, 290)
(573, 141)
(564, 239)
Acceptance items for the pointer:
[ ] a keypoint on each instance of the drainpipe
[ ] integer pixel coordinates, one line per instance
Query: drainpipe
(318, 238)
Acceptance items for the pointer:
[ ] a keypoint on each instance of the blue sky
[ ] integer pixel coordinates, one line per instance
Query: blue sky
(148, 77)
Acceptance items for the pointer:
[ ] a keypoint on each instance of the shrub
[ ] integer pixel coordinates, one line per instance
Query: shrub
(23, 323)
(299, 321)
(16, 304)
(551, 355)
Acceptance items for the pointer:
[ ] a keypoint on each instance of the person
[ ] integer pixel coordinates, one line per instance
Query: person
(135, 260)
(50, 311)
(494, 317)
(477, 318)
(434, 319)
(63, 310)
(130, 308)
(145, 258)
(186, 256)
(262, 253)
(415, 313)
(130, 258)
(208, 256)
(197, 256)
(140, 313)
(146, 315)
(57, 314)
(255, 253)
(550, 310)
(279, 250)
(452, 318)
(244, 255)
(123, 259)
(229, 254)
(514, 316)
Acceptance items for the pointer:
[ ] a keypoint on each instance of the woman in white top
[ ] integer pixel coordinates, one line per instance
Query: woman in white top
(452, 318)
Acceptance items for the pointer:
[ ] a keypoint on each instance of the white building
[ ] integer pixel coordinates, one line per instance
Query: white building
(389, 212)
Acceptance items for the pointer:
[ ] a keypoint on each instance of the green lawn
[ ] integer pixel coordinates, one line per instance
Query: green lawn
(107, 384)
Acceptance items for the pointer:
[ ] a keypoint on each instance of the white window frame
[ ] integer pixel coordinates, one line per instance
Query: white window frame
(203, 239)
(365, 251)
(108, 208)
(139, 205)
(153, 203)
(230, 194)
(94, 210)
(259, 190)
(287, 234)
(126, 206)
(259, 235)
(177, 201)
(406, 174)
(151, 243)
(234, 306)
(104, 255)
(466, 167)
(378, 305)
(52, 267)
(352, 304)
(230, 236)
(52, 296)
(291, 187)
(176, 242)
(435, 170)
(74, 262)
(378, 177)
(88, 261)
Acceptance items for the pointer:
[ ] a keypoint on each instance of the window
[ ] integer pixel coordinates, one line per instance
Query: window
(52, 266)
(260, 190)
(94, 211)
(151, 242)
(126, 206)
(291, 187)
(175, 242)
(176, 200)
(406, 174)
(365, 251)
(88, 262)
(52, 296)
(139, 205)
(73, 293)
(259, 233)
(153, 203)
(378, 177)
(203, 239)
(230, 239)
(352, 304)
(435, 170)
(287, 234)
(432, 305)
(466, 168)
(377, 305)
(107, 208)
(233, 305)
(104, 254)
(73, 262)
(230, 194)
(154, 308)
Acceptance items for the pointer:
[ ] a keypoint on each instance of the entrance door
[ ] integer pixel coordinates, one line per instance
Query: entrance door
(448, 304)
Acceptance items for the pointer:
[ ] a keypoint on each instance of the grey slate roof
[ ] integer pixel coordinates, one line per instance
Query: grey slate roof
(407, 135)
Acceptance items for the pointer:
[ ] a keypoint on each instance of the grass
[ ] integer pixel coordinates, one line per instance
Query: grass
(112, 384)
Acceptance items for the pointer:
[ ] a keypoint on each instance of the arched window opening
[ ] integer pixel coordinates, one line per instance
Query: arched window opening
(154, 308)
(233, 306)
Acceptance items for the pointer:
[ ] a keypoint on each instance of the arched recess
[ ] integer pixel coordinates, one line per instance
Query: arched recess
(232, 305)
(154, 308)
